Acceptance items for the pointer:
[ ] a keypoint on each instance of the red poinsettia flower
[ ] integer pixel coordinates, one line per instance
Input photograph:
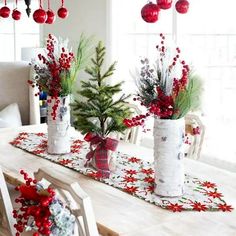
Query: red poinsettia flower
(130, 179)
(150, 188)
(134, 159)
(147, 171)
(40, 134)
(29, 192)
(65, 162)
(149, 179)
(175, 207)
(131, 189)
(208, 184)
(131, 172)
(225, 207)
(197, 206)
(215, 194)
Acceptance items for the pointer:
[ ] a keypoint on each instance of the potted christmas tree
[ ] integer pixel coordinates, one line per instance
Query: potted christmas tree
(98, 114)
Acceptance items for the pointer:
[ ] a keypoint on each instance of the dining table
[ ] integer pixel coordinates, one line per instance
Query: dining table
(119, 213)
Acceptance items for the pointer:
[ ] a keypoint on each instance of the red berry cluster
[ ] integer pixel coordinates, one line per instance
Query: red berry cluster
(33, 204)
(163, 106)
(135, 121)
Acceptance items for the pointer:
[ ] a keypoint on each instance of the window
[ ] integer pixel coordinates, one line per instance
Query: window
(207, 37)
(17, 34)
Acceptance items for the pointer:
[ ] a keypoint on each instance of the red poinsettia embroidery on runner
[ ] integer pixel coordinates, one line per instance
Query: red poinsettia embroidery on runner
(131, 172)
(77, 141)
(175, 207)
(197, 206)
(131, 189)
(149, 179)
(42, 145)
(129, 179)
(208, 184)
(215, 194)
(95, 175)
(37, 152)
(76, 146)
(15, 142)
(40, 134)
(150, 188)
(225, 207)
(65, 162)
(23, 134)
(134, 159)
(147, 171)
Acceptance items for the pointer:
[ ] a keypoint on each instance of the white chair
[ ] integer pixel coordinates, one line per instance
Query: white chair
(15, 89)
(77, 200)
(194, 149)
(6, 218)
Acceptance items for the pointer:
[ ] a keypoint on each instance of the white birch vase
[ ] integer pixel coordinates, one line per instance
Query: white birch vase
(58, 129)
(169, 157)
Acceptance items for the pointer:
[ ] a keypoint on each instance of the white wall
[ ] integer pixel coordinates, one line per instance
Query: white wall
(87, 16)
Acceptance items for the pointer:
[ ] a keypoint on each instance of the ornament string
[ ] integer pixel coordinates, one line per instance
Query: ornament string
(40, 3)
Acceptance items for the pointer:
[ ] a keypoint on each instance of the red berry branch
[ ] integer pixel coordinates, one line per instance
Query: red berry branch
(34, 204)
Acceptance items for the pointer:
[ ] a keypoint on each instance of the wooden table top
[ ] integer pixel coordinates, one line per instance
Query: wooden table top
(119, 213)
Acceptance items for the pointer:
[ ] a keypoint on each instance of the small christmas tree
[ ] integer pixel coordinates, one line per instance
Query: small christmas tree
(97, 111)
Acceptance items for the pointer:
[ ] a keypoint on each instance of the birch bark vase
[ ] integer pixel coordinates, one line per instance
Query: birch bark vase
(58, 129)
(169, 157)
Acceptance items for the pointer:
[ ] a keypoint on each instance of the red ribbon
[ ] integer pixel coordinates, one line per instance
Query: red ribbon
(99, 148)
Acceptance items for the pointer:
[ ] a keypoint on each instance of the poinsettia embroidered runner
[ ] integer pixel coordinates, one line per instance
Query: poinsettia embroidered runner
(131, 174)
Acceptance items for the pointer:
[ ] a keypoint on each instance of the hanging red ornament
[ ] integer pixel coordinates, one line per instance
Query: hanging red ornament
(5, 11)
(16, 15)
(62, 11)
(182, 6)
(150, 12)
(40, 15)
(164, 4)
(50, 15)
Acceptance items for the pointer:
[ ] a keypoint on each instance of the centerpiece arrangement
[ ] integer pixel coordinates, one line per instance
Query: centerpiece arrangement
(41, 211)
(97, 114)
(56, 74)
(168, 91)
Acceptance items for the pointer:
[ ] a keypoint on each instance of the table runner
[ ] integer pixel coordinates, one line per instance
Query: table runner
(131, 174)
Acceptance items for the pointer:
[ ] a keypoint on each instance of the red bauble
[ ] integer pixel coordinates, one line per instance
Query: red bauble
(182, 6)
(16, 14)
(150, 12)
(62, 12)
(5, 12)
(164, 4)
(50, 17)
(40, 16)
